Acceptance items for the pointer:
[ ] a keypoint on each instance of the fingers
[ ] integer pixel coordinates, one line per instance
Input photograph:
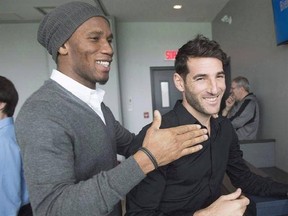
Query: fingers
(191, 145)
(170, 144)
(234, 195)
(230, 100)
(177, 130)
(227, 205)
(191, 141)
(244, 201)
(156, 120)
(194, 137)
(185, 128)
(191, 150)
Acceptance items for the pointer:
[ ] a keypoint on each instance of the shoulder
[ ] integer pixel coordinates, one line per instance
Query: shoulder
(8, 137)
(226, 130)
(251, 97)
(224, 122)
(9, 149)
(169, 119)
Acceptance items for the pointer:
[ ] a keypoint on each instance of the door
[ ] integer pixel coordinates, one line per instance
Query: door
(164, 92)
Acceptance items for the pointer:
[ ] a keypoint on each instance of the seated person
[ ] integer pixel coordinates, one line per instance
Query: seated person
(13, 193)
(242, 109)
(194, 182)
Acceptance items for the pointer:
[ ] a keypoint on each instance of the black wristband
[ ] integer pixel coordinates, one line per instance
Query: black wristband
(150, 155)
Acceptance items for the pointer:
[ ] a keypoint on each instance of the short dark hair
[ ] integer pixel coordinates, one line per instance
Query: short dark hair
(242, 82)
(8, 95)
(200, 46)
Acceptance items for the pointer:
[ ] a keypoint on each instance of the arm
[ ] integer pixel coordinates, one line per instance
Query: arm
(10, 175)
(230, 101)
(244, 114)
(241, 176)
(232, 204)
(166, 145)
(68, 168)
(56, 185)
(145, 198)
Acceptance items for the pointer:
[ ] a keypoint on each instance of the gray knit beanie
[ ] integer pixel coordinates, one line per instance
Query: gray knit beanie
(58, 25)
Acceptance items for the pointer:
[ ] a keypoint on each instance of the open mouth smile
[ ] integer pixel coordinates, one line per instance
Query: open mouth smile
(104, 63)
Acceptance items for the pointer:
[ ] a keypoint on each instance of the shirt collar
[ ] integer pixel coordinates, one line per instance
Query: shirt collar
(184, 116)
(84, 93)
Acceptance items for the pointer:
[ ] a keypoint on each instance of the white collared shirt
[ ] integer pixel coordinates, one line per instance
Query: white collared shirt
(92, 97)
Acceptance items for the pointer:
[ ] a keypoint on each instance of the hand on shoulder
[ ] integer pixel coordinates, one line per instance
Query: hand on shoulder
(167, 145)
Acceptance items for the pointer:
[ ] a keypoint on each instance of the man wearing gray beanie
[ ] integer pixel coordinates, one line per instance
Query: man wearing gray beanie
(69, 138)
(58, 26)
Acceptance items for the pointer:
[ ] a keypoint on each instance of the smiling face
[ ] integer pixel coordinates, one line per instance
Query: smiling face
(87, 54)
(204, 86)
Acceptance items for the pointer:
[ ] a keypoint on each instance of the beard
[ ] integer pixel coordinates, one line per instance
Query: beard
(102, 82)
(91, 76)
(196, 104)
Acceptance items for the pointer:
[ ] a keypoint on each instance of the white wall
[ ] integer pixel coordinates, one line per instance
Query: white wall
(22, 59)
(140, 46)
(251, 43)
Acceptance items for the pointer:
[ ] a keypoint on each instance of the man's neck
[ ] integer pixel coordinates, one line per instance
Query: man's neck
(244, 95)
(204, 119)
(2, 115)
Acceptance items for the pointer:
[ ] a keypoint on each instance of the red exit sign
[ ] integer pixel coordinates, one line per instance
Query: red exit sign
(170, 54)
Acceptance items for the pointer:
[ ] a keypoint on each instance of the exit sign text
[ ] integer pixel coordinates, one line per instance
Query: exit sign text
(170, 54)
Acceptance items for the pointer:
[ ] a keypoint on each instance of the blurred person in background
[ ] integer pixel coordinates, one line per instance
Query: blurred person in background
(242, 109)
(13, 191)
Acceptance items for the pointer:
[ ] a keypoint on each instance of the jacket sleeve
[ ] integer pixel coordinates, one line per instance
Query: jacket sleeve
(49, 158)
(245, 114)
(10, 170)
(241, 176)
(145, 198)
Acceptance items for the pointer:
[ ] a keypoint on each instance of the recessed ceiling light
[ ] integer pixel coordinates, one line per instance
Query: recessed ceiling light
(177, 7)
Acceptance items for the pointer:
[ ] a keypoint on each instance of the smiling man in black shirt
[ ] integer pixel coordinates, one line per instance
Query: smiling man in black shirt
(193, 182)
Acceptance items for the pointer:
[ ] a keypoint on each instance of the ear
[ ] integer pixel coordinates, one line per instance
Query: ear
(242, 90)
(63, 49)
(179, 82)
(2, 114)
(2, 105)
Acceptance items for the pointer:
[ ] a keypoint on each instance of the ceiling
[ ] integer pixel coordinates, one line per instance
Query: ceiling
(17, 11)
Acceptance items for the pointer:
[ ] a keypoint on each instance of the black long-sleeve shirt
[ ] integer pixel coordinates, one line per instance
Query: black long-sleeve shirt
(194, 181)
